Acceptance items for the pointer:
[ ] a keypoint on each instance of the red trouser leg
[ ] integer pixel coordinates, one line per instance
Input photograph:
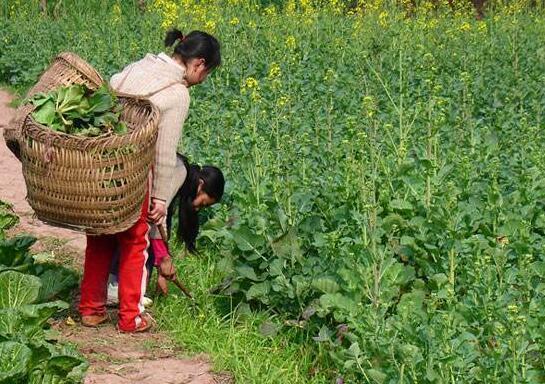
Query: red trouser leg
(132, 270)
(98, 257)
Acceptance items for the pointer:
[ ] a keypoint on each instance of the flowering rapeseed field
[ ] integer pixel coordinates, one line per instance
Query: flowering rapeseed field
(385, 164)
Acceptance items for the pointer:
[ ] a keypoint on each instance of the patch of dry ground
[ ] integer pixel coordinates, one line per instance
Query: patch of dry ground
(114, 357)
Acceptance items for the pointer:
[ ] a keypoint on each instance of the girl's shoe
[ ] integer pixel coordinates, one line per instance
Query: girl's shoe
(112, 298)
(93, 320)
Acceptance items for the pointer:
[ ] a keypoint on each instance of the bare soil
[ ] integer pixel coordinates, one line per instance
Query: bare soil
(114, 357)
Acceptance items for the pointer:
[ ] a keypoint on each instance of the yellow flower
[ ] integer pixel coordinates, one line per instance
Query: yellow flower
(465, 26)
(250, 83)
(290, 7)
(270, 10)
(291, 43)
(483, 28)
(116, 12)
(329, 75)
(383, 19)
(274, 71)
(234, 21)
(210, 26)
(168, 9)
(283, 101)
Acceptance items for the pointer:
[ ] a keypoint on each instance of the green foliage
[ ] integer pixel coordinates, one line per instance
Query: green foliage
(7, 217)
(385, 193)
(78, 111)
(27, 288)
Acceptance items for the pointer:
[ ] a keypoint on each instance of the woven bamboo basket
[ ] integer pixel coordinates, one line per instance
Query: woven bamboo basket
(96, 185)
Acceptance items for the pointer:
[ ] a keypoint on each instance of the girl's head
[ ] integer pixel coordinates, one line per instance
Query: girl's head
(201, 188)
(210, 187)
(198, 51)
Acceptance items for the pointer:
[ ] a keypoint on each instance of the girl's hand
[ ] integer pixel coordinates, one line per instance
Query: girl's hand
(162, 285)
(158, 211)
(166, 269)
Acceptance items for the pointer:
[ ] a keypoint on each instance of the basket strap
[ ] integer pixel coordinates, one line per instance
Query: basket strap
(162, 88)
(18, 121)
(125, 77)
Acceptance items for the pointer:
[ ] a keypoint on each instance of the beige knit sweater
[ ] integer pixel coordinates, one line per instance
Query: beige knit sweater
(164, 79)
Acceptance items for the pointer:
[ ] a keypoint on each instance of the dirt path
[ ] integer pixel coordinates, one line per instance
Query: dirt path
(114, 358)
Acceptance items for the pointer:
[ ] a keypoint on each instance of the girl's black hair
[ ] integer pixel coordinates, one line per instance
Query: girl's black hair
(188, 219)
(195, 44)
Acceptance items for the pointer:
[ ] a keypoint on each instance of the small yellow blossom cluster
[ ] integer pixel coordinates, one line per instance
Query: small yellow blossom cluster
(369, 106)
(116, 13)
(383, 19)
(283, 101)
(465, 27)
(168, 9)
(270, 11)
(250, 85)
(275, 72)
(291, 43)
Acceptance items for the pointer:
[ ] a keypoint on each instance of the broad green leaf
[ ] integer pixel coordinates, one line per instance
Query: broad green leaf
(287, 246)
(101, 100)
(401, 205)
(269, 329)
(14, 362)
(18, 289)
(325, 284)
(42, 312)
(337, 300)
(259, 290)
(16, 326)
(120, 128)
(14, 252)
(45, 114)
(55, 282)
(355, 350)
(377, 375)
(276, 266)
(8, 218)
(247, 272)
(246, 240)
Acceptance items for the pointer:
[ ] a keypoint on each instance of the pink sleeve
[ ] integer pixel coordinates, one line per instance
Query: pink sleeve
(160, 250)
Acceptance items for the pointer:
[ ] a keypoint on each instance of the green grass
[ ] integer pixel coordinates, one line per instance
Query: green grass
(233, 342)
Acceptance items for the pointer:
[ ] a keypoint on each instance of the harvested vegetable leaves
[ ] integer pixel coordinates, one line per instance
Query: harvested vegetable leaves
(76, 110)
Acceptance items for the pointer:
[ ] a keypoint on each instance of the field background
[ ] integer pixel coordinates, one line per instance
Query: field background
(384, 213)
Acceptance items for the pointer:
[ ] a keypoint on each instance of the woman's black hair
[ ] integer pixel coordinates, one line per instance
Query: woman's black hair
(188, 219)
(195, 44)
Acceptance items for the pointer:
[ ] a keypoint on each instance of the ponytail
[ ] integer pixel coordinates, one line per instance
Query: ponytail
(196, 44)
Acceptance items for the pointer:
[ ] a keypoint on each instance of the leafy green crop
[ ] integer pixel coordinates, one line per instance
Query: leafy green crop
(29, 297)
(76, 110)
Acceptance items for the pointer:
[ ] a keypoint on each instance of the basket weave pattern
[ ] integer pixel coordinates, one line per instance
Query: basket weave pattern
(96, 185)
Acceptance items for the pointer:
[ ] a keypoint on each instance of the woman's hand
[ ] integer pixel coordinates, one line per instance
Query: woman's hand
(158, 211)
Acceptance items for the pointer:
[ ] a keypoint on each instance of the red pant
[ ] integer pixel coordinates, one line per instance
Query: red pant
(133, 244)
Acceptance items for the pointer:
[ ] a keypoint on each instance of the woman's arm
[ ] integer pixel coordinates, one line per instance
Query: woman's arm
(173, 115)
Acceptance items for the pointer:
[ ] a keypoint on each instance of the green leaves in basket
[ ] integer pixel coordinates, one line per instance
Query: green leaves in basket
(76, 110)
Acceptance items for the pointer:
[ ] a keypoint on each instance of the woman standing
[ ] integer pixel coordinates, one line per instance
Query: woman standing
(165, 80)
